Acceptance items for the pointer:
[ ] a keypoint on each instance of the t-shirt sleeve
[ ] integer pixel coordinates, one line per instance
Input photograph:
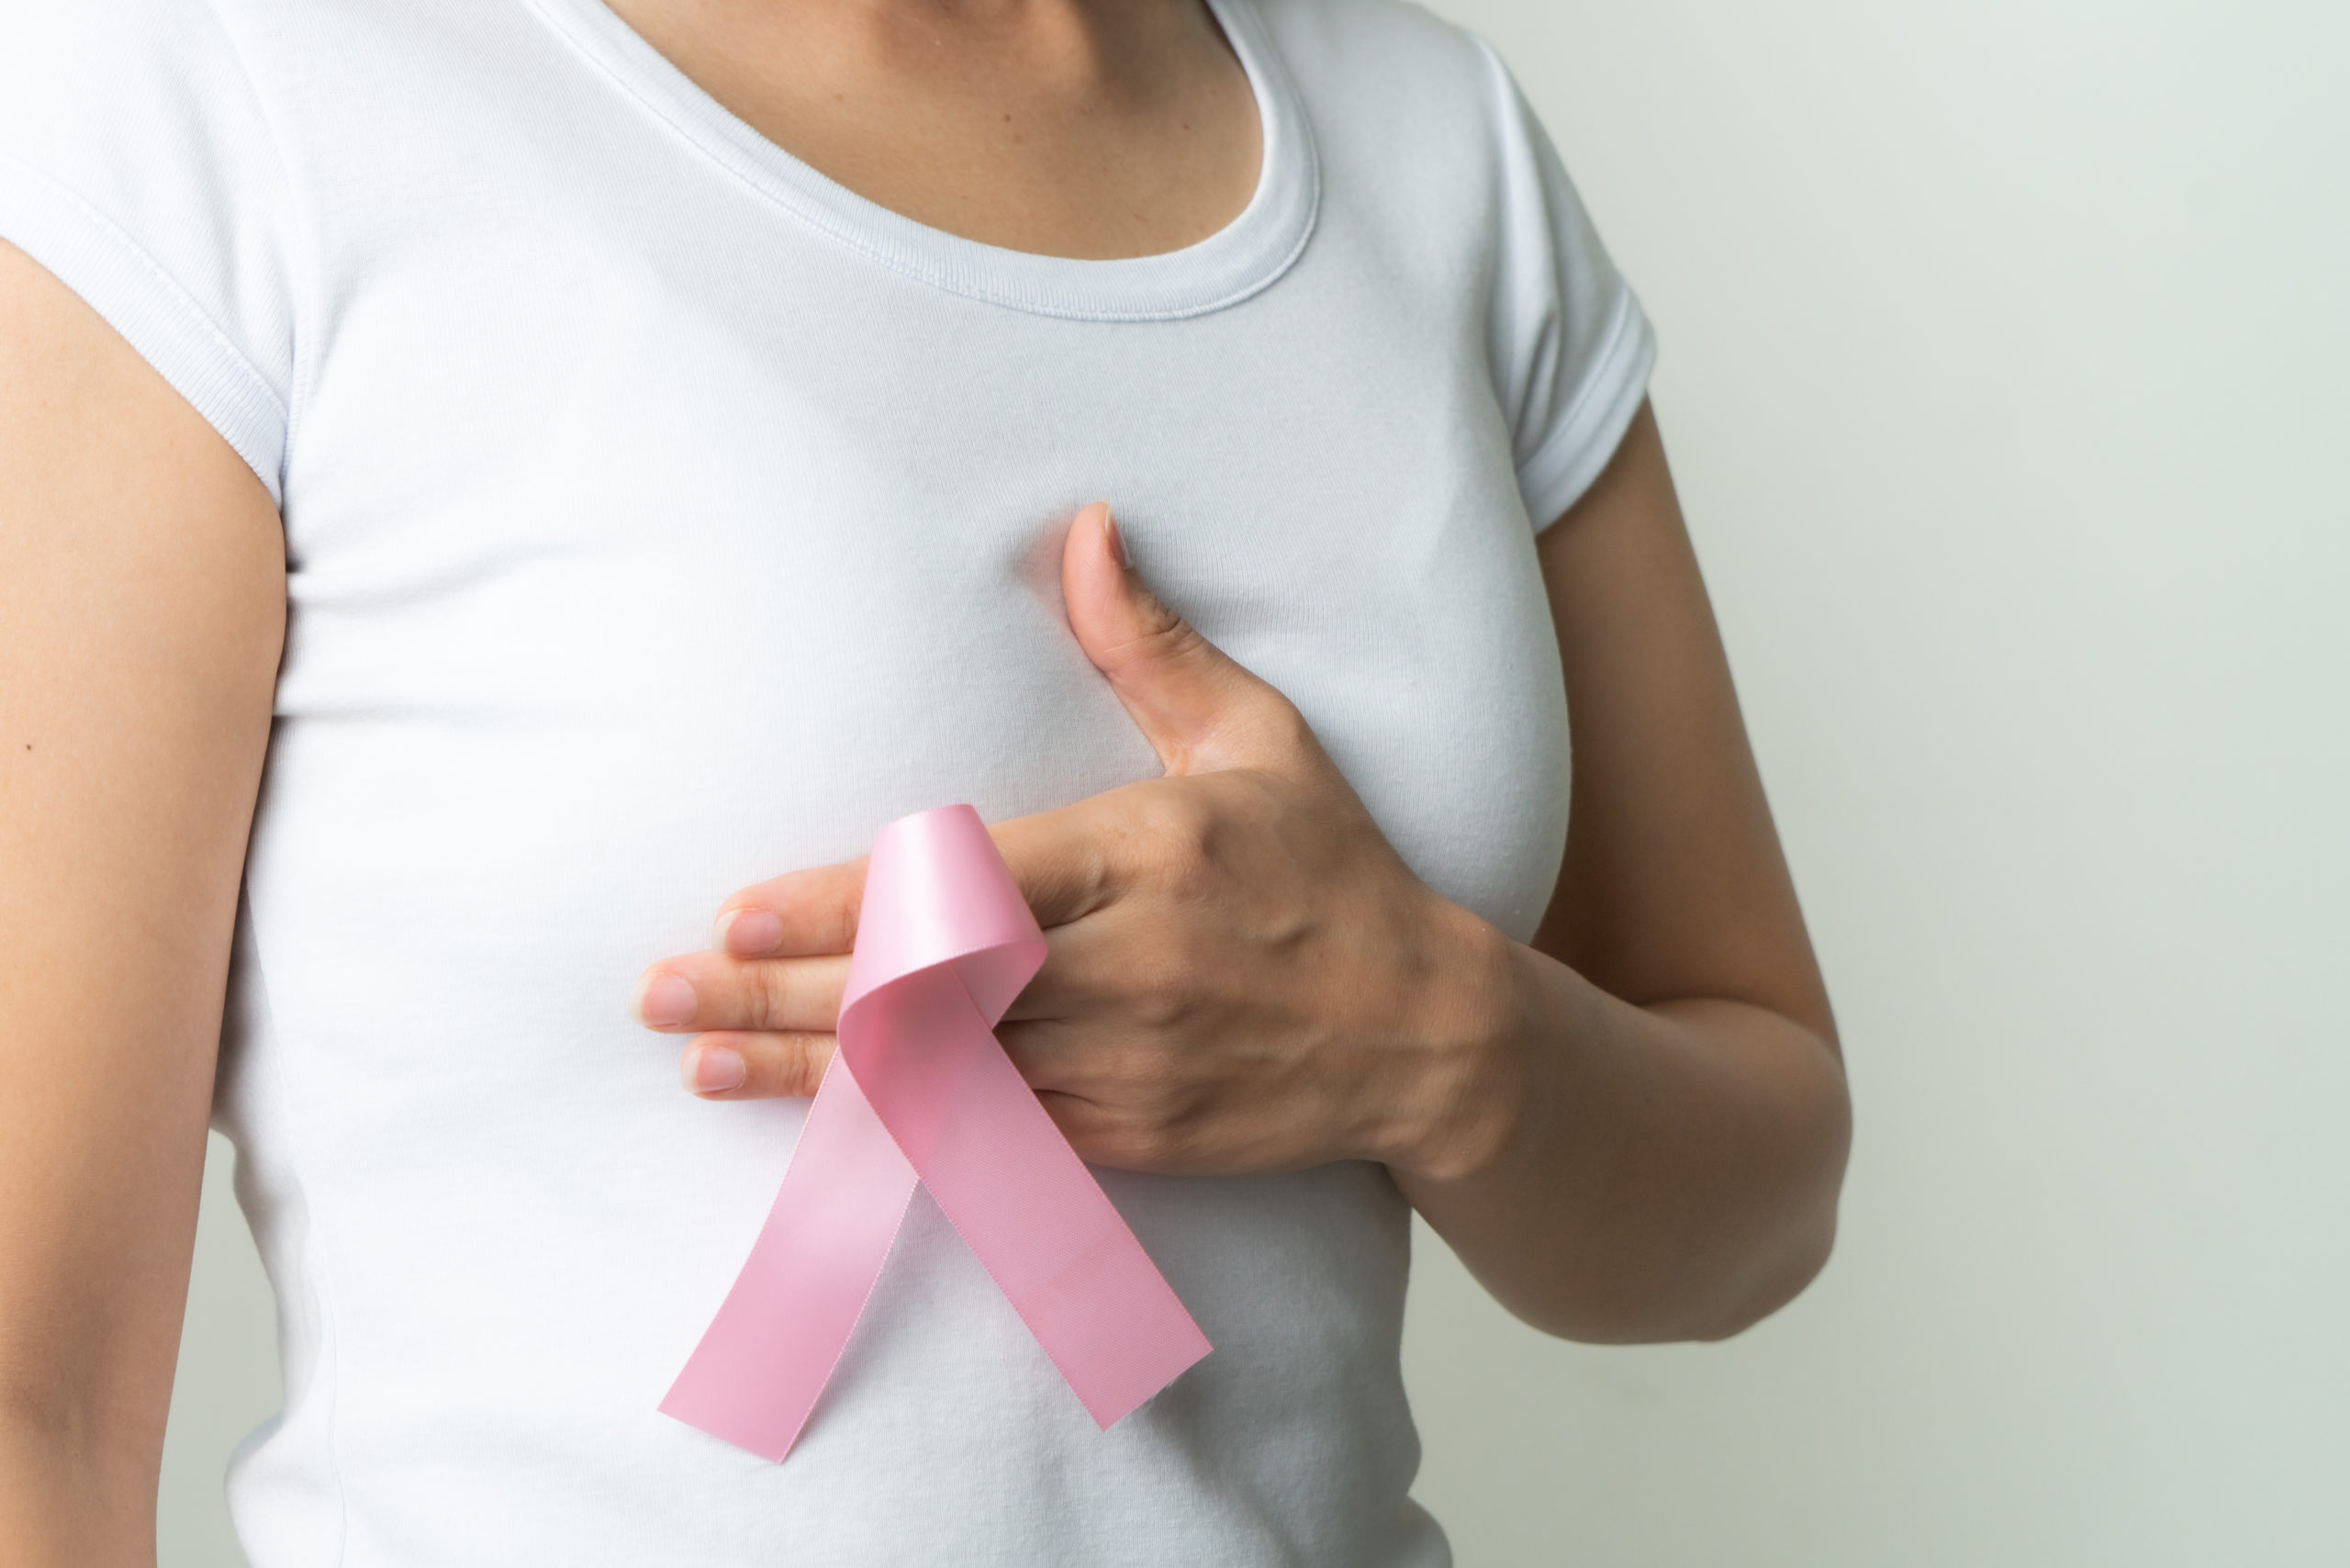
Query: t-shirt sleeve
(137, 164)
(1570, 347)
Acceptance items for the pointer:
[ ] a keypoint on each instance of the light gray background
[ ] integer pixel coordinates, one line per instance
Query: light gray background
(2004, 346)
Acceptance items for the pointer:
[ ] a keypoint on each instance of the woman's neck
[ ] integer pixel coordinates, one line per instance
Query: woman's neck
(1094, 128)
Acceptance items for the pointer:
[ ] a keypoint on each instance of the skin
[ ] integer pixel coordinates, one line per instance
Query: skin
(1632, 1129)
(143, 582)
(1097, 128)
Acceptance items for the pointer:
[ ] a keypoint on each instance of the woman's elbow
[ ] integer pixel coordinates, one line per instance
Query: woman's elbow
(1805, 1237)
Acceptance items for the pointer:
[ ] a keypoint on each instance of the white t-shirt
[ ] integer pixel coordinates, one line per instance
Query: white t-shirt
(660, 517)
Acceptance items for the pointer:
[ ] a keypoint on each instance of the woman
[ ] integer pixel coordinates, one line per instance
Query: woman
(487, 479)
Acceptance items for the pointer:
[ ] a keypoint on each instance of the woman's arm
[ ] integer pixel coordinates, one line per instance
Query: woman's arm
(1673, 1169)
(141, 610)
(1633, 1130)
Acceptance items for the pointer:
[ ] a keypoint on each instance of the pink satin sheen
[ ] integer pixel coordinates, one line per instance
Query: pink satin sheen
(921, 1090)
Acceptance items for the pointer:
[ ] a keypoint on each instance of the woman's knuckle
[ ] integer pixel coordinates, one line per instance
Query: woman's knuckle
(1169, 636)
(1286, 727)
(1162, 988)
(1186, 840)
(791, 1065)
(815, 1055)
(1175, 822)
(1137, 1137)
(769, 994)
(1166, 1139)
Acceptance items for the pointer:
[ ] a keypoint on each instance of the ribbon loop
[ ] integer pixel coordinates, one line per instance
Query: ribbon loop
(921, 1090)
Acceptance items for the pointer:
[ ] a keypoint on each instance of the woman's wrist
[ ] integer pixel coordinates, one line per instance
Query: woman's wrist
(1465, 1104)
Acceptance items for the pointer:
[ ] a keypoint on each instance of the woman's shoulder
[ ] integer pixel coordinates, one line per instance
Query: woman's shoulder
(55, 50)
(1394, 47)
(138, 165)
(1423, 127)
(96, 80)
(1422, 104)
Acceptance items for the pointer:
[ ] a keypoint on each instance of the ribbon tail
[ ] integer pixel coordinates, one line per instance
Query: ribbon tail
(767, 1356)
(1023, 1200)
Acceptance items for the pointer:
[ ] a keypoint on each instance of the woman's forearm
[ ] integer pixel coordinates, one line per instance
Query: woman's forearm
(1662, 1172)
(70, 1495)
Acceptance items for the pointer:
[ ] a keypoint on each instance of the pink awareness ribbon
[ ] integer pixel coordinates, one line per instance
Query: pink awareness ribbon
(921, 1090)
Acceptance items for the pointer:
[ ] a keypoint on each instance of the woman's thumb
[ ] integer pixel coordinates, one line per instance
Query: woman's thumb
(1199, 709)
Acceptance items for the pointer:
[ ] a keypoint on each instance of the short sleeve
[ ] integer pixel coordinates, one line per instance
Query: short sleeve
(1571, 348)
(137, 164)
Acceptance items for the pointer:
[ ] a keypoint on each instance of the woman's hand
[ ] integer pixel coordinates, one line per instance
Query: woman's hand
(1242, 975)
(1632, 1129)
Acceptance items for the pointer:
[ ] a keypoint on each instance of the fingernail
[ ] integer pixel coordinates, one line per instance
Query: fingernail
(747, 933)
(716, 1068)
(667, 999)
(1117, 540)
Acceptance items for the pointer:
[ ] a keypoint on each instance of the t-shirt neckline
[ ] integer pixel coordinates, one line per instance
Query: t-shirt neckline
(1239, 259)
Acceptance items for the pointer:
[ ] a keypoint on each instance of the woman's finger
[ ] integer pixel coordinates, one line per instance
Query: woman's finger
(1049, 1054)
(797, 915)
(713, 991)
(1059, 859)
(1063, 861)
(1067, 863)
(1091, 966)
(737, 1065)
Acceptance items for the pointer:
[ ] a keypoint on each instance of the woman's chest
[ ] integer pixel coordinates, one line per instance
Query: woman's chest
(773, 535)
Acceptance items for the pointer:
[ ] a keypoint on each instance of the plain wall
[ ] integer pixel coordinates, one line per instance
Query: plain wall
(2004, 347)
